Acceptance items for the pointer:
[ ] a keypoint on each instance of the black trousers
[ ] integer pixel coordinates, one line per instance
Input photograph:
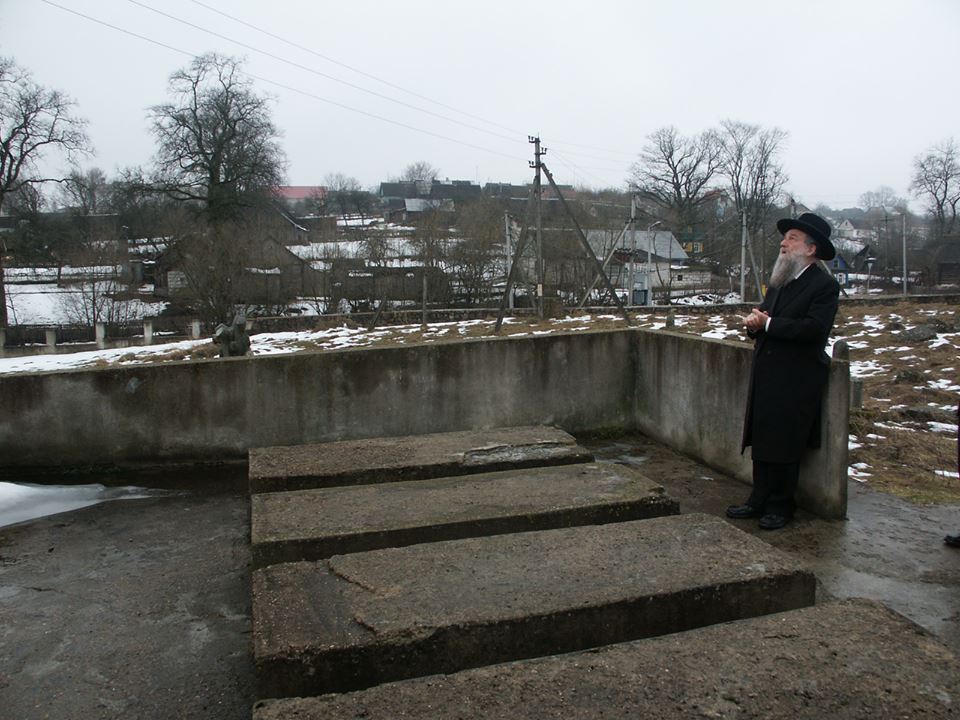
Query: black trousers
(774, 485)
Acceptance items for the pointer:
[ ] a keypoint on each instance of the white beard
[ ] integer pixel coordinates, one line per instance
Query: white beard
(786, 268)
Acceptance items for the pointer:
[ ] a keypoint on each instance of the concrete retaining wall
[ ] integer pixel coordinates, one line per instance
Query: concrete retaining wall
(685, 391)
(691, 394)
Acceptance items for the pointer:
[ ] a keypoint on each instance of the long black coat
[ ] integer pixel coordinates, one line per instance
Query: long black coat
(790, 368)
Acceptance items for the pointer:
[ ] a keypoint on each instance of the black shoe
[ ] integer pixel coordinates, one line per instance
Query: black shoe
(952, 541)
(741, 512)
(773, 522)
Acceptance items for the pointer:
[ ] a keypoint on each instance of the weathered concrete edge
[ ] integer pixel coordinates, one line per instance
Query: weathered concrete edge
(273, 552)
(662, 383)
(623, 665)
(307, 672)
(455, 468)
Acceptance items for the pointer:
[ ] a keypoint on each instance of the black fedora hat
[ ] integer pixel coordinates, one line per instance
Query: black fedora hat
(814, 226)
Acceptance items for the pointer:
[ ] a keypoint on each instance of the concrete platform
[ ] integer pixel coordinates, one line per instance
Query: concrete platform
(315, 524)
(412, 457)
(854, 659)
(353, 621)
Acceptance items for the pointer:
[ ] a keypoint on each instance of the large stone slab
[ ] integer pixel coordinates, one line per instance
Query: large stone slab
(314, 524)
(411, 457)
(353, 621)
(854, 659)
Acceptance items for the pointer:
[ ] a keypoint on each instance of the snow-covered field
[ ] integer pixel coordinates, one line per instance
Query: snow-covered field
(46, 303)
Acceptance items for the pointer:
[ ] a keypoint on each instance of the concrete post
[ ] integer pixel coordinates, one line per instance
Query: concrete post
(841, 351)
(51, 335)
(195, 329)
(148, 331)
(100, 331)
(856, 394)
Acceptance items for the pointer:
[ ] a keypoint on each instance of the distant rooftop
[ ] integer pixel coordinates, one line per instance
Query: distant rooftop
(300, 192)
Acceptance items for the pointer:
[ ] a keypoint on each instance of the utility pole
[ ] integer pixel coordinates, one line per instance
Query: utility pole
(633, 248)
(509, 255)
(651, 243)
(903, 237)
(601, 273)
(538, 152)
(743, 254)
(886, 241)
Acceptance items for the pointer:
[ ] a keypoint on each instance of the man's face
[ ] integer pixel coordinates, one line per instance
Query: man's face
(795, 243)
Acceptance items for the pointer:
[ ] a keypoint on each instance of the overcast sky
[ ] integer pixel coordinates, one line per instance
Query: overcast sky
(861, 86)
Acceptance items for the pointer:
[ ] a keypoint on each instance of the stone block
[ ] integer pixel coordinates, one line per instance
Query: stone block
(354, 621)
(847, 660)
(411, 457)
(319, 523)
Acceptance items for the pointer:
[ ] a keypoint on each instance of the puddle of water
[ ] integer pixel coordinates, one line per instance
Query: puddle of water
(20, 502)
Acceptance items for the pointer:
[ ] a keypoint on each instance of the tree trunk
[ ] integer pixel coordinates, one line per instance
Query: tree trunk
(423, 320)
(3, 294)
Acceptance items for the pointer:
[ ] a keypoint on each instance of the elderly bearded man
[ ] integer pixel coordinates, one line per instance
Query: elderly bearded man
(790, 368)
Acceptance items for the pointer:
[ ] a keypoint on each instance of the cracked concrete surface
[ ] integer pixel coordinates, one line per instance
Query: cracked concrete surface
(440, 607)
(109, 640)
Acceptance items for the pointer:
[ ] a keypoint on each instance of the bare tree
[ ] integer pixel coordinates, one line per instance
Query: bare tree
(90, 243)
(86, 192)
(211, 260)
(936, 179)
(429, 243)
(217, 144)
(675, 172)
(138, 205)
(883, 197)
(750, 162)
(422, 173)
(346, 197)
(96, 293)
(34, 120)
(477, 254)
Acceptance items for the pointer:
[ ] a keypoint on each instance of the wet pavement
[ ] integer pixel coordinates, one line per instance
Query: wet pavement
(887, 549)
(141, 608)
(134, 609)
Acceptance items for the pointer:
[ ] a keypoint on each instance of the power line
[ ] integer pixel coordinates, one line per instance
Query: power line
(314, 71)
(298, 46)
(577, 169)
(350, 67)
(284, 86)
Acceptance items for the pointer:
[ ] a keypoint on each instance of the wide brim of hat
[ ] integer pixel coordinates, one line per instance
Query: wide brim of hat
(825, 249)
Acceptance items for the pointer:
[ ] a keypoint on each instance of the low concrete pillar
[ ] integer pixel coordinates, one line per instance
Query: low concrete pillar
(195, 329)
(147, 331)
(100, 332)
(841, 351)
(51, 335)
(856, 393)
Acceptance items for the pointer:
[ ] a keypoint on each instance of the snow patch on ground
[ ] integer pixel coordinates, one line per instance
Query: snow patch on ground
(20, 502)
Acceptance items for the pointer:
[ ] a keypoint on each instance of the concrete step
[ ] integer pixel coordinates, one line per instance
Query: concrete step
(314, 524)
(853, 659)
(353, 621)
(412, 457)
